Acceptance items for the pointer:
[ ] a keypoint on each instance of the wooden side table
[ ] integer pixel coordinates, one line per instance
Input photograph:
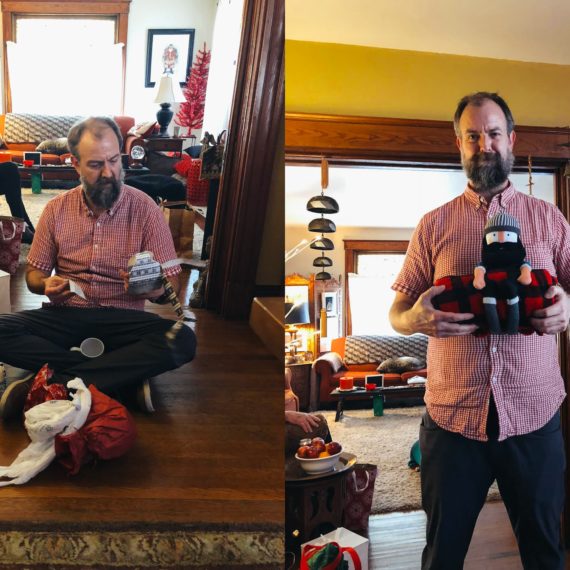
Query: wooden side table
(157, 161)
(301, 383)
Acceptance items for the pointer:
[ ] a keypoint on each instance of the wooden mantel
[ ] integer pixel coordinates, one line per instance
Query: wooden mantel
(372, 138)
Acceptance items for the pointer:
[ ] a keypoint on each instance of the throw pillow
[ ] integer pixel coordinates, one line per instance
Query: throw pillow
(335, 360)
(400, 364)
(143, 130)
(54, 146)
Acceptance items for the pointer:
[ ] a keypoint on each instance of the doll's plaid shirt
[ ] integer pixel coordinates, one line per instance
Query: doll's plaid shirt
(522, 371)
(91, 250)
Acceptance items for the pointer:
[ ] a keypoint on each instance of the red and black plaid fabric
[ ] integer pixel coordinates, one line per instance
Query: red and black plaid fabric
(461, 297)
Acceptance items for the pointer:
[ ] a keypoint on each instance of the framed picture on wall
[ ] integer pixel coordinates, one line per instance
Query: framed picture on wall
(329, 303)
(169, 51)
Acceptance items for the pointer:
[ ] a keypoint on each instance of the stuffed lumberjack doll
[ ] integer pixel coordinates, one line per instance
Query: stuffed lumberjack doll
(502, 250)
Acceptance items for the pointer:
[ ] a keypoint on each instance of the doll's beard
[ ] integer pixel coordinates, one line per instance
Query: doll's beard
(488, 170)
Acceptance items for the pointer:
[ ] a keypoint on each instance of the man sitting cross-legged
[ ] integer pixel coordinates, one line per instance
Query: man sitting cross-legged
(86, 237)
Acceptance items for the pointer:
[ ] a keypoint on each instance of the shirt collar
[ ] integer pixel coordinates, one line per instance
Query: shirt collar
(503, 198)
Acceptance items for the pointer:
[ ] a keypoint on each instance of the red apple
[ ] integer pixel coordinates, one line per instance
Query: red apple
(312, 453)
(317, 440)
(334, 447)
(320, 447)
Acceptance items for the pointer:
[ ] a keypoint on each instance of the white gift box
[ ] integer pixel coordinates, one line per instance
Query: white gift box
(5, 306)
(345, 538)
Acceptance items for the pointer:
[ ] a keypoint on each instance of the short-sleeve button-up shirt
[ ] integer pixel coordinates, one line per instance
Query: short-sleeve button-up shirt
(90, 250)
(521, 371)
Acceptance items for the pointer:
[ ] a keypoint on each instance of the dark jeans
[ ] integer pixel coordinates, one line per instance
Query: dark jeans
(136, 346)
(10, 187)
(456, 474)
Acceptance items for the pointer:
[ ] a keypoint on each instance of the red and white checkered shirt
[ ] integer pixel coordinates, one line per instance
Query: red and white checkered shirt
(522, 371)
(90, 251)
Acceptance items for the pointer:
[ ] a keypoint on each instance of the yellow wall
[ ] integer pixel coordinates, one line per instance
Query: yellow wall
(355, 80)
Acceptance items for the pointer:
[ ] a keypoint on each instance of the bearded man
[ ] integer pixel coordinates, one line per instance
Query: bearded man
(78, 260)
(492, 402)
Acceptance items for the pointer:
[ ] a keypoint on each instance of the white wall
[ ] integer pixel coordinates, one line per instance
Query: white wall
(169, 14)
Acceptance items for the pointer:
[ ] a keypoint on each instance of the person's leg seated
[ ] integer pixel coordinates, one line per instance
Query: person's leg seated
(530, 474)
(455, 479)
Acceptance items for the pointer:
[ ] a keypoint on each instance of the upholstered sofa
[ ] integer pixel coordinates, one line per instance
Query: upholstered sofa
(358, 356)
(21, 132)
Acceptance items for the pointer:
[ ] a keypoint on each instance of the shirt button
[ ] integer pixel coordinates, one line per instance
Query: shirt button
(494, 349)
(494, 379)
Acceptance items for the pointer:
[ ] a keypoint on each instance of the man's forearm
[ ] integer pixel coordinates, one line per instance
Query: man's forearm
(35, 280)
(399, 317)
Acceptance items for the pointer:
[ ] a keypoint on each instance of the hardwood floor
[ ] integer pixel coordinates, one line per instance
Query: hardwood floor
(207, 467)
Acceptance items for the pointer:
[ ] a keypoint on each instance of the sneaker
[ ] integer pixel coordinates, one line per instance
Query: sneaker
(14, 397)
(144, 397)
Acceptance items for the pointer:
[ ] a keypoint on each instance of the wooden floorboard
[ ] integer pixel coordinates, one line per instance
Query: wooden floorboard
(211, 458)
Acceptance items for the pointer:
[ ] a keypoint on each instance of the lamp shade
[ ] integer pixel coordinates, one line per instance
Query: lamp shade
(169, 91)
(297, 314)
(323, 225)
(322, 205)
(322, 243)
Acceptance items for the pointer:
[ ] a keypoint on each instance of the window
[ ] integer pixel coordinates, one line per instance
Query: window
(85, 80)
(84, 73)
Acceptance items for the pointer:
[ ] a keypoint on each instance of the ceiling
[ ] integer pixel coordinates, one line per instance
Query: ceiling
(522, 30)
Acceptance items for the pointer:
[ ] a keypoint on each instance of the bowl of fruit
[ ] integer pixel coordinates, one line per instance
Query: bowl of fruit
(318, 457)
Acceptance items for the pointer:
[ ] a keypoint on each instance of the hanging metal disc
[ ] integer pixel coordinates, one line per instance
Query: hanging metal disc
(322, 261)
(322, 205)
(323, 276)
(322, 243)
(323, 225)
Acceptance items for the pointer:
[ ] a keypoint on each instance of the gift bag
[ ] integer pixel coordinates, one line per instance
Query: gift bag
(180, 218)
(359, 494)
(11, 230)
(212, 156)
(328, 557)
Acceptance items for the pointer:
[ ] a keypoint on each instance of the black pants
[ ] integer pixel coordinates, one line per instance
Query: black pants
(456, 474)
(136, 346)
(10, 187)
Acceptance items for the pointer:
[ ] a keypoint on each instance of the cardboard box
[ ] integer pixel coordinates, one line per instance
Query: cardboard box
(5, 305)
(345, 538)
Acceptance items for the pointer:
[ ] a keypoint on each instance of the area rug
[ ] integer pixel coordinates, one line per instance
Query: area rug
(385, 441)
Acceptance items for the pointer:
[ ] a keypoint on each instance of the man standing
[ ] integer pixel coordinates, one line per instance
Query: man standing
(492, 401)
(79, 258)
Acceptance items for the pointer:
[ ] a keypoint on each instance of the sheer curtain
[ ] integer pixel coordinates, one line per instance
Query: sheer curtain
(83, 77)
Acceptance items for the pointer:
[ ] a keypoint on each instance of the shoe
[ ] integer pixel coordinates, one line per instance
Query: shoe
(27, 236)
(14, 397)
(144, 397)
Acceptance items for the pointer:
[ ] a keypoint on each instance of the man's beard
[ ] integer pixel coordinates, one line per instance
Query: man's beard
(104, 192)
(488, 170)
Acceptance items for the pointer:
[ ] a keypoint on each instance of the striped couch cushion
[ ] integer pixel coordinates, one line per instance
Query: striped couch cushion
(26, 128)
(363, 349)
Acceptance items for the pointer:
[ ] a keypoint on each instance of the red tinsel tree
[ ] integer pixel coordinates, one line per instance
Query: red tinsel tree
(191, 113)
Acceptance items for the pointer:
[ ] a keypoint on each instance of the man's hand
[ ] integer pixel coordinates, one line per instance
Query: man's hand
(422, 317)
(56, 289)
(307, 422)
(124, 275)
(553, 319)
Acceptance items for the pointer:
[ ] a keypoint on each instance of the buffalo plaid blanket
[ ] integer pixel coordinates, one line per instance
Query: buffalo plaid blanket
(461, 297)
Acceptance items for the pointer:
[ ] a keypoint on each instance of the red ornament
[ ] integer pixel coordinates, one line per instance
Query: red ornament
(191, 112)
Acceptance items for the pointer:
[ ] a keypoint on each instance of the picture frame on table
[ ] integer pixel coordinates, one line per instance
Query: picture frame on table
(169, 51)
(329, 303)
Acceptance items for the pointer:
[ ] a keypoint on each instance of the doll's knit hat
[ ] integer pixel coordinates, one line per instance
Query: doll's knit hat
(502, 222)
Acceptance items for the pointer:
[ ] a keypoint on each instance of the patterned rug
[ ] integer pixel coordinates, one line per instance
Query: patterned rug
(385, 441)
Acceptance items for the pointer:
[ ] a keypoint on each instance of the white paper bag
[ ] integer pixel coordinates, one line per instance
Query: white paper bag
(345, 538)
(5, 305)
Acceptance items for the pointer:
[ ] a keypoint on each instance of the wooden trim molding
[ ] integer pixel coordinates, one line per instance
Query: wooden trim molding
(353, 247)
(11, 8)
(253, 133)
(345, 137)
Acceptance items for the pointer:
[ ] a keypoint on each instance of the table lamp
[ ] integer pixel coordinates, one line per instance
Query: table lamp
(295, 314)
(168, 92)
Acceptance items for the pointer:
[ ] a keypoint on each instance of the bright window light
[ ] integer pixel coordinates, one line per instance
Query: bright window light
(82, 75)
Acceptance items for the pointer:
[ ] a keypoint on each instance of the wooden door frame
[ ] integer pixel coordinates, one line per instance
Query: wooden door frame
(253, 133)
(373, 141)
